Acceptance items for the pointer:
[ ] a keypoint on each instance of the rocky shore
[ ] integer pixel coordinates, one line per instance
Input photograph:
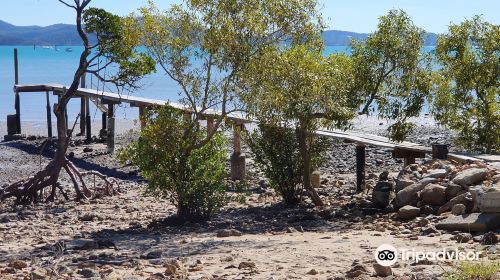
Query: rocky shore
(130, 236)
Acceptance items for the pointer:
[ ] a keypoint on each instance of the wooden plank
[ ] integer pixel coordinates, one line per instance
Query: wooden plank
(353, 137)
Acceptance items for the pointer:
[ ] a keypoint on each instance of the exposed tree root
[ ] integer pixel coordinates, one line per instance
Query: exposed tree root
(44, 185)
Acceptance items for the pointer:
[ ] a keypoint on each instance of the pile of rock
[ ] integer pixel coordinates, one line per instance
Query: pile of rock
(439, 187)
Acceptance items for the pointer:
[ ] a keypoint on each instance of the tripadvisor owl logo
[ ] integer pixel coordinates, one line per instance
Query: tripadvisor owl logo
(386, 255)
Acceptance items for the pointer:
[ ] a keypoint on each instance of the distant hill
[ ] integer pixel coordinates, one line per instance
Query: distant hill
(57, 34)
(65, 34)
(343, 38)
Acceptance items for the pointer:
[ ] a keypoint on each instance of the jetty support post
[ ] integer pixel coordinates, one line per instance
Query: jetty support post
(210, 123)
(238, 166)
(83, 108)
(18, 99)
(110, 139)
(88, 121)
(360, 167)
(104, 121)
(49, 115)
(409, 156)
(142, 112)
(439, 151)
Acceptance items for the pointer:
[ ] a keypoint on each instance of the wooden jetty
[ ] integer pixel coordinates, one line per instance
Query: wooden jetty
(106, 102)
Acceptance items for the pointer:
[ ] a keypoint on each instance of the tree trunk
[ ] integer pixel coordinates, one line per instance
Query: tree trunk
(306, 159)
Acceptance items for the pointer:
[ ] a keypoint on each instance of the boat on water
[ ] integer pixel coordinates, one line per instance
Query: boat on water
(69, 49)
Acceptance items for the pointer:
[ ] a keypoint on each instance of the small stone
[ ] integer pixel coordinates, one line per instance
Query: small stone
(423, 222)
(408, 212)
(382, 271)
(291, 230)
(489, 238)
(430, 230)
(18, 264)
(88, 150)
(38, 274)
(228, 233)
(173, 267)
(246, 265)
(312, 272)
(437, 173)
(88, 273)
(458, 209)
(357, 269)
(154, 254)
(463, 237)
(87, 217)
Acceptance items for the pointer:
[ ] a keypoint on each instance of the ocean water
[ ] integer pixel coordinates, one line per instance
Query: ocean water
(56, 65)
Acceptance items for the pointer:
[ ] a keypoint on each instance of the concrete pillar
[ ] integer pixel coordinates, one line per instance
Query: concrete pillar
(238, 166)
(360, 167)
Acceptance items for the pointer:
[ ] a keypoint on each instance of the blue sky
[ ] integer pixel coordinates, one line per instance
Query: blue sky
(350, 15)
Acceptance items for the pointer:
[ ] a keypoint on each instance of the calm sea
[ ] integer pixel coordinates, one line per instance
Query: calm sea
(56, 65)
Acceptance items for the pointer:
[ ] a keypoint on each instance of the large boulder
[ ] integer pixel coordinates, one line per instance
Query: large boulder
(409, 195)
(433, 194)
(490, 202)
(481, 222)
(403, 182)
(408, 212)
(470, 176)
(465, 199)
(453, 190)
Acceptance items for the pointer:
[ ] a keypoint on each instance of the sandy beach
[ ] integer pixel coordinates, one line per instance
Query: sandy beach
(129, 236)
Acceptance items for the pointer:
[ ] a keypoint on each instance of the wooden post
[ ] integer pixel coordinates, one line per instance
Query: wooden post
(88, 121)
(110, 139)
(210, 124)
(439, 151)
(17, 100)
(360, 167)
(49, 116)
(142, 109)
(83, 114)
(409, 156)
(237, 138)
(187, 117)
(408, 161)
(238, 167)
(104, 120)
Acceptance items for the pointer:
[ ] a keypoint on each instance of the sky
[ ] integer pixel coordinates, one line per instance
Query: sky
(349, 15)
